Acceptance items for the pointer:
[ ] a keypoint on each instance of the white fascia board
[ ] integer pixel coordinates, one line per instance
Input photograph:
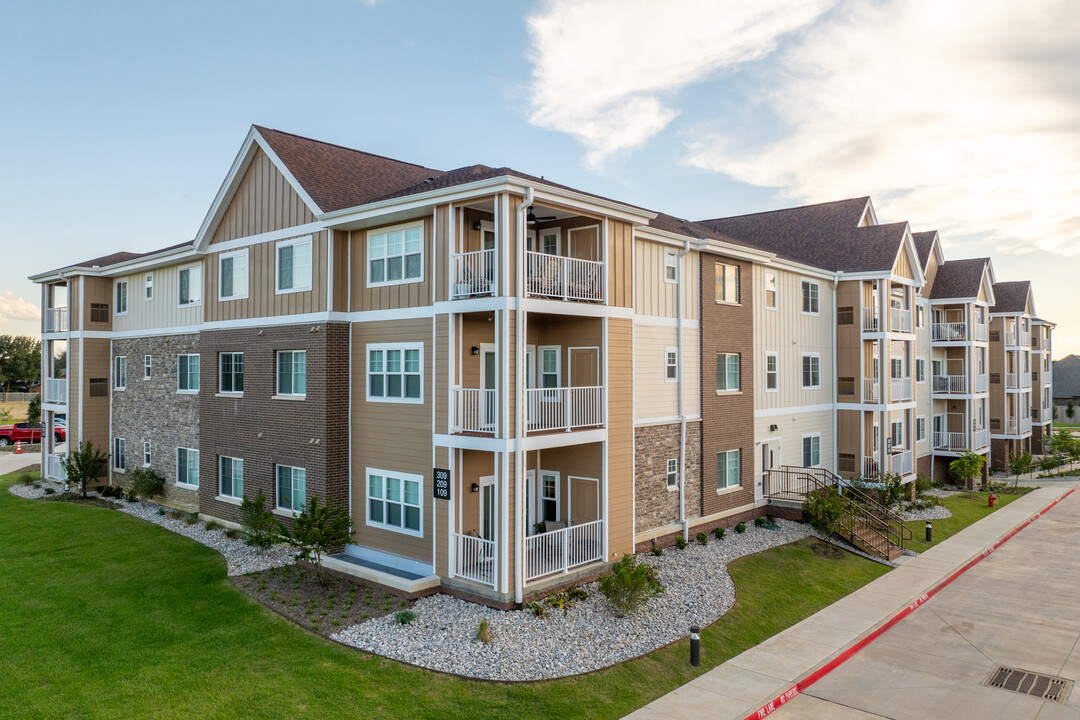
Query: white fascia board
(284, 170)
(954, 301)
(809, 270)
(166, 257)
(600, 206)
(704, 245)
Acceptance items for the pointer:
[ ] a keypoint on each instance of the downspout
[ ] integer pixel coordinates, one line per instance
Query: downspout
(519, 397)
(835, 438)
(682, 409)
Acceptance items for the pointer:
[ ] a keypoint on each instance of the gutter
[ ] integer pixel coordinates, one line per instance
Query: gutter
(519, 397)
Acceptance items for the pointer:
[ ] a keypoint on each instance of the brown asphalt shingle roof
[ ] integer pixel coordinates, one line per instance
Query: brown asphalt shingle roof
(1011, 297)
(924, 241)
(119, 257)
(959, 278)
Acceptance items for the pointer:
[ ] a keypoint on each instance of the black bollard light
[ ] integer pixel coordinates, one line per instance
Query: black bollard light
(929, 532)
(695, 646)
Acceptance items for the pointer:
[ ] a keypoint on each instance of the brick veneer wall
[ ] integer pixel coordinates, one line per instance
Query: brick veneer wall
(311, 433)
(152, 410)
(728, 418)
(654, 445)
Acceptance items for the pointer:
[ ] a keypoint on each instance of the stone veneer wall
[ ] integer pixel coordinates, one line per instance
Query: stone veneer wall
(152, 410)
(654, 445)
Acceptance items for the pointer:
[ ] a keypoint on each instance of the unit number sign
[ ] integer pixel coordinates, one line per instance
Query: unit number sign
(441, 484)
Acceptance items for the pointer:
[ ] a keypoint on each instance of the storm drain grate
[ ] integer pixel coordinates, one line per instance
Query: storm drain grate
(1036, 684)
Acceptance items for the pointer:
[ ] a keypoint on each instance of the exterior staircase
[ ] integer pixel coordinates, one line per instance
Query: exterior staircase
(866, 524)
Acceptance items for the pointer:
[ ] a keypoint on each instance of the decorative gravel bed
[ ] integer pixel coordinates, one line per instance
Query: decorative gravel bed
(938, 512)
(589, 636)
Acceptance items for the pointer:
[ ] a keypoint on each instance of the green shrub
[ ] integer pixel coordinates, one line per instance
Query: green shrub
(404, 617)
(131, 497)
(232, 533)
(26, 479)
(630, 585)
(759, 522)
(740, 528)
(577, 594)
(680, 542)
(318, 530)
(922, 483)
(657, 550)
(702, 538)
(824, 508)
(483, 633)
(191, 518)
(1049, 462)
(260, 527)
(49, 491)
(719, 533)
(83, 465)
(161, 511)
(146, 483)
(536, 608)
(212, 525)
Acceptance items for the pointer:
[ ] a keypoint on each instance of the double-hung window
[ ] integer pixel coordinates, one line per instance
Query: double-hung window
(920, 369)
(121, 297)
(897, 435)
(292, 372)
(671, 259)
(119, 459)
(120, 372)
(727, 469)
(395, 501)
(187, 467)
(811, 450)
(770, 290)
(549, 367)
(727, 372)
(187, 373)
(673, 473)
(810, 297)
(231, 477)
(671, 364)
(394, 372)
(147, 366)
(148, 287)
(147, 454)
(233, 275)
(231, 372)
(772, 372)
(396, 255)
(190, 292)
(291, 488)
(727, 283)
(294, 265)
(811, 371)
(920, 429)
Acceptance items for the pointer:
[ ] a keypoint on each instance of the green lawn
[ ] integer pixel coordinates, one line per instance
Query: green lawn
(965, 511)
(106, 616)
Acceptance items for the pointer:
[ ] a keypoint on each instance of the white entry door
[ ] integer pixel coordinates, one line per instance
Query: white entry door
(487, 507)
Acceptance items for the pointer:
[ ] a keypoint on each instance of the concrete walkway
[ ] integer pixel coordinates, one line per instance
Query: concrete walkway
(10, 462)
(1018, 607)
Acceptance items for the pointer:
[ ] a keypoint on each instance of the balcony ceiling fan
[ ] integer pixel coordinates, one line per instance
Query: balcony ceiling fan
(532, 219)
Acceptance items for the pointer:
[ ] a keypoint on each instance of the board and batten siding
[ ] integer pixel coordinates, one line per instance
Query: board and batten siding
(790, 431)
(262, 298)
(654, 396)
(161, 311)
(653, 294)
(789, 332)
(263, 202)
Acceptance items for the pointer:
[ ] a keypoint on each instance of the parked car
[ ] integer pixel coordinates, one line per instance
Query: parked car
(59, 431)
(19, 432)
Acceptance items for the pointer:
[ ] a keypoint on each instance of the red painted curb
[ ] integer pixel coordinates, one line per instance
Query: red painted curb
(801, 686)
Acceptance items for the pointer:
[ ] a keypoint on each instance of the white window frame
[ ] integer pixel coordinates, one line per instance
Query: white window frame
(920, 428)
(403, 477)
(811, 298)
(384, 347)
(671, 262)
(671, 369)
(232, 479)
(542, 235)
(738, 368)
(893, 424)
(120, 372)
(920, 369)
(811, 437)
(221, 373)
(194, 298)
(920, 315)
(386, 231)
(148, 286)
(147, 453)
(242, 253)
(188, 455)
(738, 283)
(293, 242)
(292, 489)
(672, 475)
(802, 371)
(147, 367)
(198, 377)
(277, 374)
(121, 290)
(119, 454)
(775, 372)
(540, 373)
(727, 470)
(771, 275)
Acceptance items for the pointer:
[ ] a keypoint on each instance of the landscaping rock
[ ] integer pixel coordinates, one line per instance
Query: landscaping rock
(938, 512)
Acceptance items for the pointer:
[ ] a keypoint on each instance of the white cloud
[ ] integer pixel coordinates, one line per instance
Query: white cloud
(607, 71)
(13, 307)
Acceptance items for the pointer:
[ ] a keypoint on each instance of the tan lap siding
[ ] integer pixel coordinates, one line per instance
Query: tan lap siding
(264, 201)
(655, 396)
(96, 362)
(620, 475)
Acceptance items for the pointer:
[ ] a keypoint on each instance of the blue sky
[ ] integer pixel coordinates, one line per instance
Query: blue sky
(121, 119)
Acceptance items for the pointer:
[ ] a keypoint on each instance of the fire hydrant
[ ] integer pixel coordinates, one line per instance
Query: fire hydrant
(992, 499)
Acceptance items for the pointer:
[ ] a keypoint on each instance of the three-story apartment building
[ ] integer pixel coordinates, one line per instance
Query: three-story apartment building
(1011, 318)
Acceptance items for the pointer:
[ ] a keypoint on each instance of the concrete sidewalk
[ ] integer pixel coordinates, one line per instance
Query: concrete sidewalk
(10, 462)
(746, 682)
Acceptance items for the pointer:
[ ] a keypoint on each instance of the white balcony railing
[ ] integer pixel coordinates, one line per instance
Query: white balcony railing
(56, 319)
(1010, 381)
(1025, 425)
(871, 321)
(899, 320)
(900, 389)
(54, 468)
(902, 463)
(563, 278)
(949, 331)
(474, 273)
(871, 390)
(980, 383)
(1011, 427)
(1025, 338)
(951, 441)
(1025, 379)
(980, 332)
(55, 391)
(950, 383)
(474, 410)
(982, 438)
(1010, 338)
(564, 408)
(870, 466)
(474, 558)
(559, 551)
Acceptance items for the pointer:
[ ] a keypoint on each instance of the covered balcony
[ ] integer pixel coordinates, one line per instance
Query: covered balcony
(54, 317)
(55, 391)
(54, 384)
(871, 319)
(900, 389)
(949, 331)
(900, 320)
(950, 384)
(951, 441)
(901, 463)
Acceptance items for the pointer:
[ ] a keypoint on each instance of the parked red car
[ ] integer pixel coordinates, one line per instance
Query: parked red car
(22, 432)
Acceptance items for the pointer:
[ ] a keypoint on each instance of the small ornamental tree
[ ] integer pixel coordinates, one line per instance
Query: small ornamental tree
(84, 464)
(968, 466)
(1070, 410)
(825, 508)
(1020, 464)
(630, 585)
(260, 528)
(319, 529)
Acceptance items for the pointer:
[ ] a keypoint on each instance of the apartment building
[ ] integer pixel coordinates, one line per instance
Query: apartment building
(1042, 384)
(1011, 319)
